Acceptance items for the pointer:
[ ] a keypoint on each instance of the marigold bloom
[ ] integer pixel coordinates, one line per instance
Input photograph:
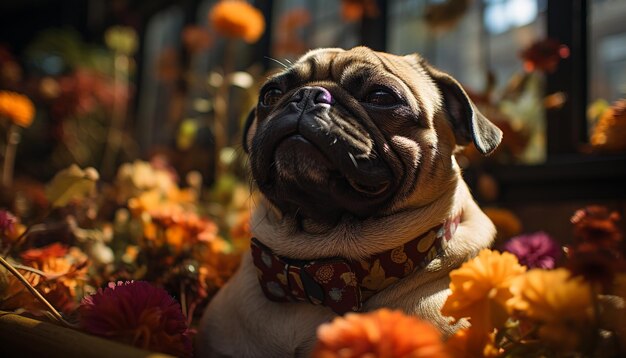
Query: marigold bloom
(16, 107)
(480, 289)
(382, 333)
(560, 303)
(238, 19)
(536, 250)
(137, 313)
(467, 343)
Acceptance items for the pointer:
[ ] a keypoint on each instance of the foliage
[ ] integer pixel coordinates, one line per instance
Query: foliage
(141, 227)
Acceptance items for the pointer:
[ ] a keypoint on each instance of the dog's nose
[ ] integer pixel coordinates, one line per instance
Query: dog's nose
(318, 95)
(321, 95)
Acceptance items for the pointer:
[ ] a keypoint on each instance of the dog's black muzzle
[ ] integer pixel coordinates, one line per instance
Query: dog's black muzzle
(312, 156)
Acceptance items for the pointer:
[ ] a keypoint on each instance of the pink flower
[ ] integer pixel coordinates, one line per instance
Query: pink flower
(7, 222)
(137, 313)
(535, 250)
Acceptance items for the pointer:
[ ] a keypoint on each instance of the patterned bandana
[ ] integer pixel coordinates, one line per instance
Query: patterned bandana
(341, 284)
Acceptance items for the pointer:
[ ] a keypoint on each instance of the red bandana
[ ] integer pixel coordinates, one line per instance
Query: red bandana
(342, 284)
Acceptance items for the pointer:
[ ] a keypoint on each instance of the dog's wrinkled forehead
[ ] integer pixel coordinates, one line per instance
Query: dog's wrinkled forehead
(361, 67)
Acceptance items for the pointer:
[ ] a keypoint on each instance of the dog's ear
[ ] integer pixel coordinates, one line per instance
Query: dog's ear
(246, 128)
(468, 123)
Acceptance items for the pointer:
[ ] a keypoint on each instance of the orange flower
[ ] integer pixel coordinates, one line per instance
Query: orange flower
(480, 289)
(467, 343)
(354, 10)
(382, 333)
(45, 253)
(60, 269)
(238, 19)
(176, 236)
(558, 302)
(18, 108)
(54, 261)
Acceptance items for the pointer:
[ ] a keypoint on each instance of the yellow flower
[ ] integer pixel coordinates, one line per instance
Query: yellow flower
(382, 333)
(480, 289)
(560, 303)
(18, 108)
(233, 18)
(610, 130)
(122, 39)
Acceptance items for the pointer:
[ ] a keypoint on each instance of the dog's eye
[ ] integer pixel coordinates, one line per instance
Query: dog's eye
(271, 97)
(382, 98)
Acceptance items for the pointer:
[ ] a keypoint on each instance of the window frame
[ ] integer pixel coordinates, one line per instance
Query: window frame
(568, 173)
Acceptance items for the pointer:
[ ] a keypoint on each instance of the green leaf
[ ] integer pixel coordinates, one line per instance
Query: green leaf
(70, 184)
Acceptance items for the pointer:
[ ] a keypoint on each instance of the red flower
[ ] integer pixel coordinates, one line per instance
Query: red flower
(594, 263)
(598, 253)
(597, 225)
(544, 55)
(137, 313)
(42, 254)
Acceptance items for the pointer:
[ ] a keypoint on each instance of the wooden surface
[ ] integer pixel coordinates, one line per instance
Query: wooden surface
(24, 337)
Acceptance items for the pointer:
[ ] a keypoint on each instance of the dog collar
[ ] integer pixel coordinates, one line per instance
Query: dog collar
(341, 284)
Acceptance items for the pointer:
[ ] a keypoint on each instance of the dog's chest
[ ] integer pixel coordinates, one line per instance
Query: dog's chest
(256, 326)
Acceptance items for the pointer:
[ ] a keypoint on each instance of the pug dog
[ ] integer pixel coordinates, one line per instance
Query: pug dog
(363, 204)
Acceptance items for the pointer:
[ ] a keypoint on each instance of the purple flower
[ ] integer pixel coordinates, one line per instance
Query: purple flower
(536, 250)
(137, 313)
(7, 221)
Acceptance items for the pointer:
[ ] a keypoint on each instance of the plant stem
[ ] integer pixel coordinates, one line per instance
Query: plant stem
(35, 293)
(13, 139)
(183, 299)
(118, 116)
(220, 124)
(30, 269)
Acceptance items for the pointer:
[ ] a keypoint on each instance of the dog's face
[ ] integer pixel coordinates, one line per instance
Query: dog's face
(359, 133)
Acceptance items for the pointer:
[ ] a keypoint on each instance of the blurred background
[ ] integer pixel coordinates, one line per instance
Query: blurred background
(113, 81)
